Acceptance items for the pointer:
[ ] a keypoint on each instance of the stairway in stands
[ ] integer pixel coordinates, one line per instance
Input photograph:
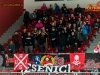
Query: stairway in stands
(95, 42)
(8, 34)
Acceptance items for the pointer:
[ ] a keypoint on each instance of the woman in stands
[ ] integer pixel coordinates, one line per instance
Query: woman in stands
(39, 25)
(97, 48)
(44, 7)
(15, 39)
(11, 47)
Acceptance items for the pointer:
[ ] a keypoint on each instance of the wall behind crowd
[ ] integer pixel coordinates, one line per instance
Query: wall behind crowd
(30, 5)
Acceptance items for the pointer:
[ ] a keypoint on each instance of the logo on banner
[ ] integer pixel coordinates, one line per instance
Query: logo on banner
(20, 61)
(47, 60)
(36, 60)
(77, 61)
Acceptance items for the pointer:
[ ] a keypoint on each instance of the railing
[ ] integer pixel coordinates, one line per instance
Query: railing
(49, 73)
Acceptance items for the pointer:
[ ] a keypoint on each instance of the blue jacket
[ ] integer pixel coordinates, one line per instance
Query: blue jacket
(57, 9)
(84, 29)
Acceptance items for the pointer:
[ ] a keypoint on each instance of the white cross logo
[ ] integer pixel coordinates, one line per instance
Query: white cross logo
(20, 61)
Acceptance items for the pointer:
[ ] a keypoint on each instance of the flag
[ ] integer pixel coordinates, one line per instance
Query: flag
(77, 61)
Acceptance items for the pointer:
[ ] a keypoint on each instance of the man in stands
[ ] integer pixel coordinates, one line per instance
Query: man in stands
(57, 9)
(78, 10)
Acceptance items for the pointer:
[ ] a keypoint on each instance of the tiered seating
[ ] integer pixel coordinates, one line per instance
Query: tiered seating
(54, 50)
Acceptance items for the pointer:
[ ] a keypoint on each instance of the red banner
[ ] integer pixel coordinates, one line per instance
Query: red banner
(20, 61)
(77, 61)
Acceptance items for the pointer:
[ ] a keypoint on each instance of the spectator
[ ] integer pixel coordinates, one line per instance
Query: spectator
(64, 6)
(1, 49)
(42, 41)
(34, 35)
(65, 12)
(56, 9)
(61, 42)
(33, 16)
(97, 24)
(28, 43)
(50, 9)
(79, 36)
(79, 22)
(26, 18)
(73, 42)
(11, 47)
(89, 22)
(44, 7)
(97, 48)
(69, 29)
(52, 26)
(15, 39)
(78, 10)
(84, 29)
(23, 36)
(39, 25)
(44, 14)
(53, 35)
(45, 22)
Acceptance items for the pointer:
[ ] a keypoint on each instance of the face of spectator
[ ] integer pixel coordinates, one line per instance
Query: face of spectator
(72, 33)
(55, 5)
(44, 4)
(78, 5)
(64, 28)
(72, 15)
(84, 23)
(80, 14)
(16, 33)
(98, 20)
(53, 29)
(45, 19)
(53, 24)
(11, 42)
(79, 19)
(64, 8)
(89, 16)
(52, 18)
(24, 30)
(39, 21)
(60, 21)
(74, 25)
(79, 28)
(29, 34)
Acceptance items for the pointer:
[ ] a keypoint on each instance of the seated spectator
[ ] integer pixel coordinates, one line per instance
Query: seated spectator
(62, 8)
(73, 42)
(69, 29)
(79, 35)
(50, 9)
(61, 42)
(53, 35)
(56, 9)
(72, 19)
(42, 41)
(79, 22)
(33, 16)
(65, 12)
(1, 49)
(28, 43)
(89, 22)
(97, 24)
(52, 26)
(15, 39)
(39, 25)
(84, 29)
(11, 47)
(44, 7)
(97, 48)
(45, 22)
(23, 37)
(78, 10)
(44, 14)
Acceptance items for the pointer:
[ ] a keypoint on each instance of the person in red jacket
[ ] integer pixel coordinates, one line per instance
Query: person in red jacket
(89, 22)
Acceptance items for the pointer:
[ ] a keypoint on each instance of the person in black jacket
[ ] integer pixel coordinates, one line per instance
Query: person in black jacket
(28, 43)
(1, 49)
(65, 12)
(61, 42)
(53, 36)
(72, 42)
(42, 41)
(78, 10)
(23, 36)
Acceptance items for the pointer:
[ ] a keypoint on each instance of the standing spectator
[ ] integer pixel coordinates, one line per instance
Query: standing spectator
(39, 25)
(64, 6)
(11, 47)
(78, 10)
(50, 9)
(42, 41)
(53, 36)
(97, 24)
(73, 42)
(26, 18)
(28, 43)
(61, 42)
(79, 35)
(89, 22)
(56, 9)
(15, 38)
(84, 29)
(23, 36)
(44, 7)
(1, 49)
(33, 16)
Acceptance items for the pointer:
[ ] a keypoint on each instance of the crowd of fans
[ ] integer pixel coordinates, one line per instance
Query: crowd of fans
(56, 31)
